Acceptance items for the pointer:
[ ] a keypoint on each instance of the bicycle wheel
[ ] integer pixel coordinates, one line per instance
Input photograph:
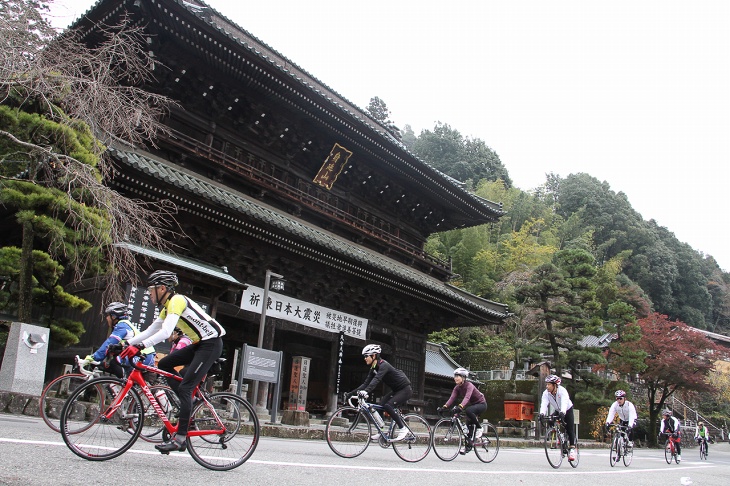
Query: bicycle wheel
(348, 432)
(54, 395)
(446, 440)
(489, 447)
(233, 432)
(574, 462)
(668, 452)
(153, 426)
(95, 426)
(554, 447)
(703, 451)
(615, 452)
(417, 443)
(628, 453)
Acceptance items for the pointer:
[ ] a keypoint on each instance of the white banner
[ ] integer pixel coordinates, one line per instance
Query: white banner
(305, 313)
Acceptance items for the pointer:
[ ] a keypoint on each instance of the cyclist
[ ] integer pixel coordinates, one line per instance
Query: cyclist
(179, 340)
(472, 402)
(400, 386)
(670, 426)
(702, 434)
(179, 310)
(116, 316)
(556, 397)
(626, 412)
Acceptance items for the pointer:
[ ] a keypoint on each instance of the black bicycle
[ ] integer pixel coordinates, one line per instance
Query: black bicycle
(556, 442)
(449, 438)
(351, 428)
(703, 449)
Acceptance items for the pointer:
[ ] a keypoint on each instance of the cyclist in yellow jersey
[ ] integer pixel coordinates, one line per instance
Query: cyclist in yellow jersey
(177, 310)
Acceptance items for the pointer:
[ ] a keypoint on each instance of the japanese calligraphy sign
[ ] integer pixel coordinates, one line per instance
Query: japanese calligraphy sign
(290, 309)
(333, 165)
(299, 383)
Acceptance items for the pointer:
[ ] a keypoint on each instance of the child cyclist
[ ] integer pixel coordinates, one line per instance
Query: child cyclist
(471, 401)
(116, 316)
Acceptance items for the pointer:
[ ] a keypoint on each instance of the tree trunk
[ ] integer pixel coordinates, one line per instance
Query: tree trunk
(25, 292)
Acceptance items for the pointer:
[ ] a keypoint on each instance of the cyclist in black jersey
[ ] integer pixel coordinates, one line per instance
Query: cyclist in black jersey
(177, 310)
(400, 385)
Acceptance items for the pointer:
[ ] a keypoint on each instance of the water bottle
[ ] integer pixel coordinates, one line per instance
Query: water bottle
(377, 417)
(465, 429)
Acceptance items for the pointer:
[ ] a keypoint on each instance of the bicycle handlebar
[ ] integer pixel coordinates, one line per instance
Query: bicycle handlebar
(80, 363)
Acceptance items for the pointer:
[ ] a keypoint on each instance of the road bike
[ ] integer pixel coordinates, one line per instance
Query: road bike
(703, 449)
(351, 428)
(670, 448)
(556, 442)
(103, 418)
(448, 438)
(620, 445)
(56, 392)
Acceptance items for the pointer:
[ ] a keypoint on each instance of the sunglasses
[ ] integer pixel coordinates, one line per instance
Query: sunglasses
(620, 398)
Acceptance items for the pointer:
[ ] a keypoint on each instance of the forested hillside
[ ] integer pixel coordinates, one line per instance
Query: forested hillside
(572, 212)
(575, 261)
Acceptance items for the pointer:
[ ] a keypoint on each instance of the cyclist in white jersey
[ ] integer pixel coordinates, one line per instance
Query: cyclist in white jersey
(177, 310)
(626, 412)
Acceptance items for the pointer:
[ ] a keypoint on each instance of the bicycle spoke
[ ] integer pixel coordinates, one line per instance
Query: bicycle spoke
(90, 427)
(417, 443)
(615, 452)
(54, 395)
(488, 448)
(232, 428)
(348, 432)
(446, 440)
(553, 447)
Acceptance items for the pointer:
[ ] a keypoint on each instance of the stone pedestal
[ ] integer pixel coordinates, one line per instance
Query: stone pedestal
(295, 417)
(24, 363)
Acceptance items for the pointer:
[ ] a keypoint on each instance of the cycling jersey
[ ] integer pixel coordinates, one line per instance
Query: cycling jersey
(385, 372)
(560, 402)
(123, 330)
(669, 426)
(701, 432)
(626, 413)
(180, 311)
(469, 392)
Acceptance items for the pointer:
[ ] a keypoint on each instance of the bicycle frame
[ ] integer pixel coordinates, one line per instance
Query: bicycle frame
(136, 378)
(365, 406)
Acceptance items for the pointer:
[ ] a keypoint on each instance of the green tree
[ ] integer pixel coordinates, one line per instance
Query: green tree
(62, 103)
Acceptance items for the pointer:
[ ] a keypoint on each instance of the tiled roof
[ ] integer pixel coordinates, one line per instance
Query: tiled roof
(438, 362)
(183, 262)
(209, 190)
(596, 341)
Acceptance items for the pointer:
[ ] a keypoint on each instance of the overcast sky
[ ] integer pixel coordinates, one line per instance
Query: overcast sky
(634, 93)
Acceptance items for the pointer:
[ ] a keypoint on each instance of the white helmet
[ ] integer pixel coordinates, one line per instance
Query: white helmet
(463, 372)
(553, 379)
(371, 349)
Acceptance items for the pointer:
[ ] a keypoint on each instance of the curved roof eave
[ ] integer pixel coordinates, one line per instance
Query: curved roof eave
(385, 266)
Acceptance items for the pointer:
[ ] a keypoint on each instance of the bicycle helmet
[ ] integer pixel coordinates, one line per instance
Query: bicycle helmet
(667, 412)
(371, 349)
(116, 309)
(553, 379)
(162, 277)
(620, 394)
(463, 372)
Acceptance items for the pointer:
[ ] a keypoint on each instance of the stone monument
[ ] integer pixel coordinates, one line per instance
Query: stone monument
(24, 363)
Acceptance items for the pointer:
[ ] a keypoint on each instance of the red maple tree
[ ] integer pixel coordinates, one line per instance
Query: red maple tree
(678, 357)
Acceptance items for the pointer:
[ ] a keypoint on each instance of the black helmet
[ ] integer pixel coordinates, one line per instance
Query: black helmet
(116, 309)
(162, 277)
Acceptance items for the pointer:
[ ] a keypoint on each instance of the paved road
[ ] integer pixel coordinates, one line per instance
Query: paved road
(31, 453)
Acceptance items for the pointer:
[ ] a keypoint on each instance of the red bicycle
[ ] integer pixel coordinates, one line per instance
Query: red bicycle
(670, 448)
